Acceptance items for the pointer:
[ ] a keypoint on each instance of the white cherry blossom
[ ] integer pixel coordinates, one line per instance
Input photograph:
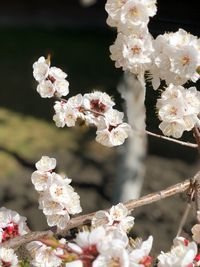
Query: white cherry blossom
(116, 217)
(58, 188)
(50, 207)
(68, 117)
(11, 224)
(57, 74)
(112, 250)
(111, 130)
(86, 239)
(42, 179)
(196, 233)
(40, 69)
(139, 256)
(113, 8)
(39, 179)
(98, 102)
(61, 221)
(113, 136)
(178, 109)
(76, 101)
(68, 112)
(129, 14)
(46, 164)
(115, 256)
(182, 254)
(8, 258)
(61, 87)
(43, 255)
(46, 89)
(52, 80)
(134, 15)
(176, 58)
(133, 52)
(95, 105)
(174, 129)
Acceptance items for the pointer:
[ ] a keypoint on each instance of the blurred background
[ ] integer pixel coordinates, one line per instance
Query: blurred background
(78, 39)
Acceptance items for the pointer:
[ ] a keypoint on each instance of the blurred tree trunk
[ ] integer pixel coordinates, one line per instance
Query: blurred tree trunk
(131, 167)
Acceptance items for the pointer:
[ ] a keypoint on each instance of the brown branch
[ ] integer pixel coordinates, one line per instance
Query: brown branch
(85, 219)
(196, 133)
(132, 204)
(196, 182)
(20, 240)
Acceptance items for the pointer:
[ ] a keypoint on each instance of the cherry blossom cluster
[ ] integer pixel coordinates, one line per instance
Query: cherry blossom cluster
(94, 109)
(178, 108)
(133, 47)
(57, 198)
(101, 246)
(105, 247)
(130, 15)
(172, 57)
(51, 80)
(107, 244)
(176, 58)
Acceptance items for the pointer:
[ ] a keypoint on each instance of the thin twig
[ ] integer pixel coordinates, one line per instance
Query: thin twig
(85, 219)
(192, 145)
(20, 240)
(173, 140)
(191, 197)
(184, 218)
(194, 194)
(154, 197)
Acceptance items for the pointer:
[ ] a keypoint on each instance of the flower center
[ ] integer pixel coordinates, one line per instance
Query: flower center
(114, 262)
(173, 111)
(59, 191)
(136, 50)
(98, 106)
(146, 261)
(134, 11)
(185, 60)
(111, 127)
(69, 117)
(51, 78)
(10, 231)
(91, 250)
